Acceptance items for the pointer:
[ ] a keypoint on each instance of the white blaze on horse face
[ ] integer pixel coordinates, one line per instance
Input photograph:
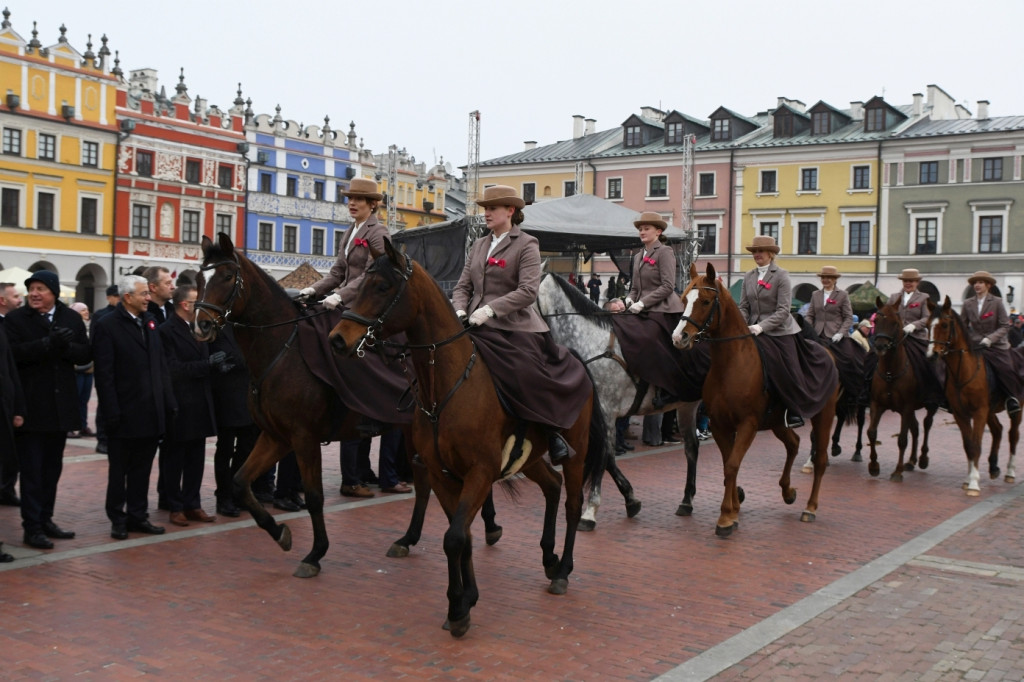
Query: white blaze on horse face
(931, 338)
(677, 334)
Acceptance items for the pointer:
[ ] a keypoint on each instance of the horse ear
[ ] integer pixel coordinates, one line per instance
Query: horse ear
(205, 245)
(693, 271)
(879, 302)
(946, 305)
(930, 305)
(224, 241)
(710, 272)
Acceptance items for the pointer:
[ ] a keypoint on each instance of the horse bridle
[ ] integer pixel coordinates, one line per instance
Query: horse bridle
(369, 338)
(703, 329)
(223, 312)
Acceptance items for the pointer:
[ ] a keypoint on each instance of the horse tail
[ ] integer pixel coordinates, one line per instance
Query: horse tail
(595, 461)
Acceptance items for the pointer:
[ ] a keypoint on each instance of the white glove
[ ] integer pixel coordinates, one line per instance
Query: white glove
(628, 302)
(332, 301)
(481, 315)
(461, 314)
(755, 329)
(909, 329)
(986, 342)
(636, 307)
(837, 337)
(308, 292)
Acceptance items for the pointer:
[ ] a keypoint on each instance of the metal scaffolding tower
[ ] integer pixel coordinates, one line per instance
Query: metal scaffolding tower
(686, 216)
(579, 178)
(688, 249)
(392, 194)
(473, 164)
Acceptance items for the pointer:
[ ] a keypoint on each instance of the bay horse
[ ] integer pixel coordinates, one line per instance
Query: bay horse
(967, 390)
(460, 430)
(736, 397)
(894, 386)
(578, 323)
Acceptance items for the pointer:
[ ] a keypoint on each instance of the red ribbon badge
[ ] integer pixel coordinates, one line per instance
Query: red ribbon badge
(914, 305)
(650, 261)
(766, 285)
(360, 242)
(987, 315)
(500, 262)
(831, 300)
(151, 324)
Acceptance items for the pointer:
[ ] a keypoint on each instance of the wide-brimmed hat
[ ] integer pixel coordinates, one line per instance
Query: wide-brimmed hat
(763, 243)
(650, 218)
(981, 276)
(909, 274)
(829, 271)
(48, 278)
(363, 187)
(500, 195)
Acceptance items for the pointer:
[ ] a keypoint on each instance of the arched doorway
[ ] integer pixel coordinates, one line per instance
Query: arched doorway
(91, 286)
(926, 287)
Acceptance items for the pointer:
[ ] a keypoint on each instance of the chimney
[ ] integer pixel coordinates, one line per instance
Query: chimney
(200, 108)
(982, 109)
(577, 127)
(589, 127)
(918, 104)
(529, 144)
(857, 111)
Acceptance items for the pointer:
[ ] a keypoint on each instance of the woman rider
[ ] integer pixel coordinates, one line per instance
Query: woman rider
(831, 316)
(542, 381)
(988, 325)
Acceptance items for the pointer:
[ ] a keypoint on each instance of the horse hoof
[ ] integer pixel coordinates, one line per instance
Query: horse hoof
(836, 450)
(725, 531)
(558, 586)
(922, 463)
(684, 510)
(874, 469)
(551, 570)
(856, 457)
(284, 541)
(973, 493)
(807, 517)
(493, 536)
(633, 508)
(586, 525)
(994, 472)
(1010, 479)
(909, 466)
(789, 496)
(807, 469)
(896, 478)
(740, 494)
(459, 627)
(306, 571)
(397, 551)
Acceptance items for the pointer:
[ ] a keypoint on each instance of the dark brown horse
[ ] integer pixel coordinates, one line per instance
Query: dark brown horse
(462, 434)
(735, 395)
(894, 386)
(967, 390)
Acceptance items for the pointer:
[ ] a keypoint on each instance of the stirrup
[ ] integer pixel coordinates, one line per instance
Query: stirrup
(662, 398)
(793, 421)
(1012, 406)
(558, 449)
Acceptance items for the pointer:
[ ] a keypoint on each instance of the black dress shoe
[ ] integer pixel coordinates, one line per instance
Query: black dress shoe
(5, 558)
(101, 448)
(298, 499)
(118, 531)
(285, 504)
(10, 499)
(145, 527)
(37, 540)
(52, 530)
(264, 496)
(228, 509)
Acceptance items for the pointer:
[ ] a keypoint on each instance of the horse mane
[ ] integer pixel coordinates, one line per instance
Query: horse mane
(961, 328)
(391, 273)
(582, 304)
(215, 253)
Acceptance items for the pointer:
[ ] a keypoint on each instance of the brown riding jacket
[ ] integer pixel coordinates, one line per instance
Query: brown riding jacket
(654, 284)
(915, 312)
(992, 322)
(768, 304)
(830, 315)
(348, 270)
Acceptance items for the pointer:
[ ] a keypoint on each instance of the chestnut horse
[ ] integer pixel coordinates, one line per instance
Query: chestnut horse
(735, 394)
(894, 386)
(967, 390)
(460, 430)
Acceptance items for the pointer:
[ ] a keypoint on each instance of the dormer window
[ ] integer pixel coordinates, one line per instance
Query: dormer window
(634, 136)
(874, 120)
(720, 129)
(674, 133)
(821, 123)
(783, 124)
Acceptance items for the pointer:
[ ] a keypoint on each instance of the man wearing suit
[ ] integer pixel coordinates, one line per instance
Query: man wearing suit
(9, 300)
(113, 298)
(47, 339)
(134, 390)
(161, 291)
(236, 431)
(183, 453)
(12, 408)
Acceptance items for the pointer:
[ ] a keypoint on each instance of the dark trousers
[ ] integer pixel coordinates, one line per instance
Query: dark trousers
(181, 465)
(668, 425)
(289, 480)
(234, 443)
(41, 459)
(8, 470)
(83, 381)
(391, 452)
(355, 454)
(130, 462)
(101, 431)
(621, 428)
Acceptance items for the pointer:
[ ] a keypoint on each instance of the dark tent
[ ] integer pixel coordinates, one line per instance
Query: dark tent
(863, 299)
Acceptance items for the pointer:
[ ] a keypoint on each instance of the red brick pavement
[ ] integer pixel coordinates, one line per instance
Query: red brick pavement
(657, 595)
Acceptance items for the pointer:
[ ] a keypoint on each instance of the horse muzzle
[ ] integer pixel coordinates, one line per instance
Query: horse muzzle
(205, 330)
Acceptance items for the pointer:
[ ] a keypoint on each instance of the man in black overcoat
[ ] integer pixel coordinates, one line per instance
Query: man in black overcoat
(12, 408)
(135, 397)
(236, 430)
(47, 339)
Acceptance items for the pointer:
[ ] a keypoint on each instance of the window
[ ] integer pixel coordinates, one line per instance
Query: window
(569, 188)
(529, 192)
(706, 185)
(927, 235)
(992, 169)
(44, 210)
(10, 207)
(720, 129)
(860, 237)
(318, 190)
(614, 188)
(91, 154)
(222, 223)
(88, 216)
(317, 246)
(770, 230)
(266, 236)
(929, 173)
(708, 234)
(807, 238)
(144, 164)
(192, 171)
(12, 141)
(783, 125)
(657, 186)
(292, 187)
(141, 220)
(808, 179)
(225, 177)
(265, 183)
(874, 120)
(47, 147)
(990, 234)
(339, 194)
(674, 133)
(339, 236)
(290, 238)
(634, 136)
(190, 227)
(768, 181)
(862, 177)
(821, 123)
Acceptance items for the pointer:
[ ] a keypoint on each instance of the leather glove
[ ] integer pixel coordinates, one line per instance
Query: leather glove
(628, 302)
(461, 314)
(308, 292)
(332, 301)
(61, 337)
(909, 329)
(986, 342)
(218, 358)
(755, 329)
(226, 367)
(837, 337)
(481, 315)
(636, 307)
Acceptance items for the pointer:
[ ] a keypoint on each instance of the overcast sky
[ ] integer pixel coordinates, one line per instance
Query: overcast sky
(408, 72)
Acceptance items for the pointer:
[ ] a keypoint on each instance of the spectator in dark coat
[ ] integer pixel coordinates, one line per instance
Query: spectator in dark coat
(594, 284)
(113, 298)
(183, 454)
(10, 299)
(134, 390)
(47, 339)
(12, 410)
(236, 431)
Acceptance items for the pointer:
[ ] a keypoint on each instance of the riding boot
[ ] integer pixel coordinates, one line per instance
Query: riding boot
(558, 449)
(368, 428)
(1012, 406)
(662, 398)
(793, 421)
